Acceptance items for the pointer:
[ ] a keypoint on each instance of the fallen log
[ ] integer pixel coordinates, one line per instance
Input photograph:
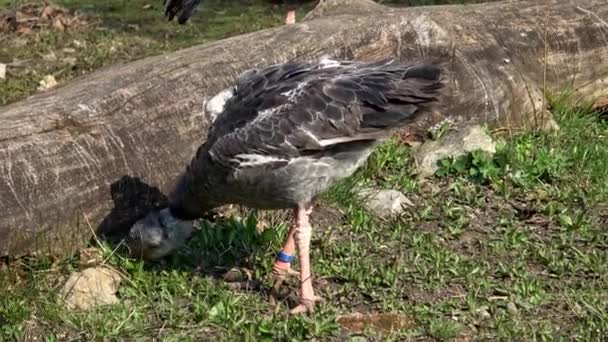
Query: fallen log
(97, 153)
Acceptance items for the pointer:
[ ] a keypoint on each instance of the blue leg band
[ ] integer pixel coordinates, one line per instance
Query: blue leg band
(284, 257)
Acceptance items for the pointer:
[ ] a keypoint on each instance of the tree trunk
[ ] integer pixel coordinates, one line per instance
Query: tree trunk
(97, 153)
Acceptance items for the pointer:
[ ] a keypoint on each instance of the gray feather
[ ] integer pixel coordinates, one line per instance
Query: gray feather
(291, 130)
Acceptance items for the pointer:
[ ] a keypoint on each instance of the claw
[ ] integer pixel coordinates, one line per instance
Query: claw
(307, 305)
(280, 274)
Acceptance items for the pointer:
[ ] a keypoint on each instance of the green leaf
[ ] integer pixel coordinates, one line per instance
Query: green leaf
(216, 310)
(565, 220)
(268, 235)
(460, 165)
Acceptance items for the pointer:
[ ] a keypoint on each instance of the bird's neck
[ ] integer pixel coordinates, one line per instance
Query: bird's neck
(191, 199)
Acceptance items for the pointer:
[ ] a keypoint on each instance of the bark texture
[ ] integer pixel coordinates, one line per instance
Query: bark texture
(97, 153)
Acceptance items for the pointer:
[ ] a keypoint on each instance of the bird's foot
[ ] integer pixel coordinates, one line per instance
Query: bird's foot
(280, 272)
(290, 18)
(307, 305)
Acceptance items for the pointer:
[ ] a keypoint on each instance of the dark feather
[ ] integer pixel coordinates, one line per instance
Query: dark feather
(290, 130)
(183, 9)
(295, 105)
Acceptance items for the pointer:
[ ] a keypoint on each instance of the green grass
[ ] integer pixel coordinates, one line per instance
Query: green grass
(121, 31)
(509, 247)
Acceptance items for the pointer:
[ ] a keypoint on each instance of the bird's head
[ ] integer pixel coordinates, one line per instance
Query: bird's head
(157, 235)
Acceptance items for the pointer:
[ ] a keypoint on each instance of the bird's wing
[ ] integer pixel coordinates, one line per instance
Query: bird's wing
(182, 9)
(290, 110)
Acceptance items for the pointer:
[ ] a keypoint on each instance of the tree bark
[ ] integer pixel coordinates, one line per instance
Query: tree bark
(97, 153)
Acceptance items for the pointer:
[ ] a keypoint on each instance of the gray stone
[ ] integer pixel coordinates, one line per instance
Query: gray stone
(47, 82)
(512, 308)
(455, 142)
(2, 71)
(483, 312)
(90, 288)
(384, 203)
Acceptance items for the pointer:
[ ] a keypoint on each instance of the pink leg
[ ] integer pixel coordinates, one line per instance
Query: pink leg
(302, 237)
(291, 17)
(281, 269)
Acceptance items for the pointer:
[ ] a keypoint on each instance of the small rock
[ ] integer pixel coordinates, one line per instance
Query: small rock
(146, 6)
(384, 203)
(78, 43)
(2, 71)
(69, 50)
(91, 288)
(483, 312)
(454, 143)
(47, 82)
(512, 308)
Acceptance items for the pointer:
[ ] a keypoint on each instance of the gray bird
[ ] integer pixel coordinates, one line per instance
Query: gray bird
(282, 136)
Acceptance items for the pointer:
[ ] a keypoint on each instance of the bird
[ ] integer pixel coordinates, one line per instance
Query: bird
(182, 9)
(185, 9)
(282, 135)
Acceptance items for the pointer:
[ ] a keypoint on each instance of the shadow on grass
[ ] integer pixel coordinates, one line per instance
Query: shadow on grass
(217, 248)
(132, 199)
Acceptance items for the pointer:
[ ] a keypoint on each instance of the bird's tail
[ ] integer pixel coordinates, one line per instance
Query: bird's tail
(418, 89)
